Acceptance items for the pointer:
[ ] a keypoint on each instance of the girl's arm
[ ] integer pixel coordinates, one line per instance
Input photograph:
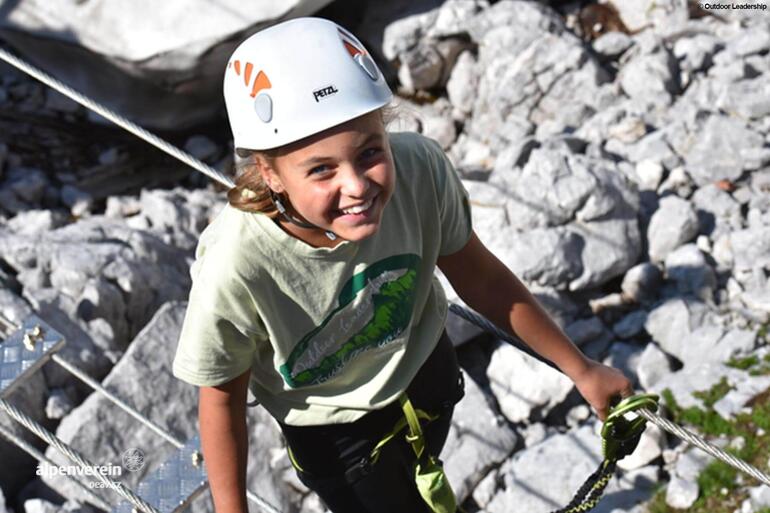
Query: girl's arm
(224, 440)
(490, 288)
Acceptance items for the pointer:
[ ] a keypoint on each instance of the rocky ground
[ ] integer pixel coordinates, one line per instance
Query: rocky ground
(618, 160)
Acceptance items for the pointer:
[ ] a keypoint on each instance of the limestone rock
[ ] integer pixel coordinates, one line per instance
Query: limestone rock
(522, 384)
(673, 224)
(477, 441)
(716, 152)
(544, 477)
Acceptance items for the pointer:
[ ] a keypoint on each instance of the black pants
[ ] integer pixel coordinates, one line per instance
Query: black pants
(335, 458)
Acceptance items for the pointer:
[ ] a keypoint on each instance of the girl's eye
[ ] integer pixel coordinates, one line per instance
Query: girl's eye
(318, 169)
(370, 153)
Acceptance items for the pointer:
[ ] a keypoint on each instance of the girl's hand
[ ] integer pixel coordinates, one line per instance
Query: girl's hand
(599, 384)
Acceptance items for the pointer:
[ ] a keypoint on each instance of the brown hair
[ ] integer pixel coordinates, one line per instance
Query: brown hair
(251, 193)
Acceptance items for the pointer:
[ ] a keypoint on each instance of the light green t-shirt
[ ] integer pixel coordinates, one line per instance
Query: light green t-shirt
(329, 333)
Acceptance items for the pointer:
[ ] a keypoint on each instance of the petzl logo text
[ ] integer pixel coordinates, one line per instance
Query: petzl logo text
(324, 92)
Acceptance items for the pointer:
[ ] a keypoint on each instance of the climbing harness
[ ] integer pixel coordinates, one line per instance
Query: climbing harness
(619, 435)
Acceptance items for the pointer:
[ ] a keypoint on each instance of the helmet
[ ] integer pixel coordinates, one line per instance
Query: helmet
(296, 79)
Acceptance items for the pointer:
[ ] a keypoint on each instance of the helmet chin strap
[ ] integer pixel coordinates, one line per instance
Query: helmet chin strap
(293, 220)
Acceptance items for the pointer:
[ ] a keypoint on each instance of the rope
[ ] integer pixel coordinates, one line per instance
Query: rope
(74, 456)
(39, 456)
(705, 446)
(116, 118)
(484, 323)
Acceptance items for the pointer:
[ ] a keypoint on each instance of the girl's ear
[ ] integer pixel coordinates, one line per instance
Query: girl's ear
(270, 176)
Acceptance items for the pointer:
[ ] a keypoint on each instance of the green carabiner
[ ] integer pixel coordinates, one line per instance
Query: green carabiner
(620, 436)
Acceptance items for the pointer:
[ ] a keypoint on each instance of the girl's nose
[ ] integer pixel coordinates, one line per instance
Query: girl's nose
(355, 183)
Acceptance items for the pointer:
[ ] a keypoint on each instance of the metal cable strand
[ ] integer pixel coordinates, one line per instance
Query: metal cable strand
(88, 380)
(70, 453)
(702, 444)
(116, 118)
(39, 456)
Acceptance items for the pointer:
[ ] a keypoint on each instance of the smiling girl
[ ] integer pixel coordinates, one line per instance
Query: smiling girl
(315, 286)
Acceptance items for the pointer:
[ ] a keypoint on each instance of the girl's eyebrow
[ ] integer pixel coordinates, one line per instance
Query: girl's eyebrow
(320, 159)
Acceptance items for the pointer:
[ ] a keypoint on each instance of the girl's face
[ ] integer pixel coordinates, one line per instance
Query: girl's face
(339, 180)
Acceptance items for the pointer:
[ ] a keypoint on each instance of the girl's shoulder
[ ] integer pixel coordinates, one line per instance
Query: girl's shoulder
(227, 240)
(419, 159)
(414, 147)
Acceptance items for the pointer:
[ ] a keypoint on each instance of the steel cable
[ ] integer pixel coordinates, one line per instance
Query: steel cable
(116, 118)
(713, 450)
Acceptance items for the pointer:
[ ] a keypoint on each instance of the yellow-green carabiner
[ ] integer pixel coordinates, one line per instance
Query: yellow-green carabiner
(620, 436)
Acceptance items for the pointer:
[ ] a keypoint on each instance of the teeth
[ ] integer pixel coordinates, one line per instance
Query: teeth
(358, 208)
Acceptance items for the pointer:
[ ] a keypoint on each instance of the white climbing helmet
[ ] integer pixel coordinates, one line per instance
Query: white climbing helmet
(296, 79)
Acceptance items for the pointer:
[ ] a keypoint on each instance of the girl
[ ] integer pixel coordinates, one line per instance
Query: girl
(314, 287)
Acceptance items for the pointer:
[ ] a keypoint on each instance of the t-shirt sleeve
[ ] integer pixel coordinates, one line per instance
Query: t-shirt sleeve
(220, 333)
(453, 203)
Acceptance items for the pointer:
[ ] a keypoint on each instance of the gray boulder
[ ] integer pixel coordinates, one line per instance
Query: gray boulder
(674, 223)
(683, 490)
(716, 153)
(672, 322)
(750, 248)
(661, 16)
(587, 202)
(688, 268)
(630, 325)
(650, 77)
(641, 282)
(477, 441)
(652, 366)
(94, 269)
(698, 378)
(612, 44)
(718, 212)
(143, 62)
(530, 66)
(695, 53)
(747, 99)
(544, 477)
(522, 384)
(462, 83)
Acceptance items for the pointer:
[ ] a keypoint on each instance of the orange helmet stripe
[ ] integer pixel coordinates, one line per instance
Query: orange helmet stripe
(261, 82)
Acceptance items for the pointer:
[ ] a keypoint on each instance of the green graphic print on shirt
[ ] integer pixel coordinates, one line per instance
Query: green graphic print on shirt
(374, 308)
